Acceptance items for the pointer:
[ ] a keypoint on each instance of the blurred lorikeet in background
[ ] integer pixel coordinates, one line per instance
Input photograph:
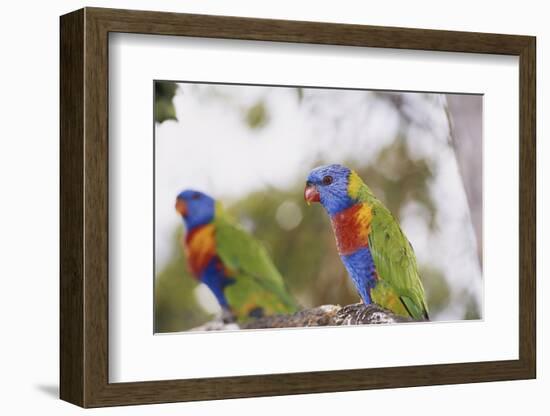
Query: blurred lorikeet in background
(234, 266)
(377, 255)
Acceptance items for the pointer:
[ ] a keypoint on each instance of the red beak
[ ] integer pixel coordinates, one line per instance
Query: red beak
(311, 194)
(181, 207)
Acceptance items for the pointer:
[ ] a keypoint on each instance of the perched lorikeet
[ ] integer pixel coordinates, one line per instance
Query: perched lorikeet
(234, 266)
(377, 255)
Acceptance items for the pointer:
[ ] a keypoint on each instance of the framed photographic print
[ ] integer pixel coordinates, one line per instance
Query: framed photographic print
(255, 207)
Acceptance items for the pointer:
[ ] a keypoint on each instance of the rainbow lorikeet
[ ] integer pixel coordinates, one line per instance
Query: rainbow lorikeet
(377, 255)
(234, 266)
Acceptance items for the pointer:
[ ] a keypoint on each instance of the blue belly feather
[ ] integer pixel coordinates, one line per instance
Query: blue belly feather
(214, 277)
(362, 270)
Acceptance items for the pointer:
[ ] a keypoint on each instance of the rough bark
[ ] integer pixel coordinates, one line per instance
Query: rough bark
(326, 315)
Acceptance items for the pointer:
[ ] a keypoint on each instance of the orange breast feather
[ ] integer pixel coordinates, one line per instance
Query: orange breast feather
(200, 247)
(351, 228)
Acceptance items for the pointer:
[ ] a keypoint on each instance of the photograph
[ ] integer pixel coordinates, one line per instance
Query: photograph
(260, 205)
(300, 206)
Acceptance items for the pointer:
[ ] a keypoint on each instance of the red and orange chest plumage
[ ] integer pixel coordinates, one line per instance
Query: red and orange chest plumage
(200, 247)
(351, 228)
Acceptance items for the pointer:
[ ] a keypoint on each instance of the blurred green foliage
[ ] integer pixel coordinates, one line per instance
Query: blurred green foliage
(396, 179)
(472, 310)
(300, 94)
(256, 116)
(164, 105)
(438, 293)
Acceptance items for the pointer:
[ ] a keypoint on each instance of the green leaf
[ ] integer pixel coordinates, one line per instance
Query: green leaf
(164, 105)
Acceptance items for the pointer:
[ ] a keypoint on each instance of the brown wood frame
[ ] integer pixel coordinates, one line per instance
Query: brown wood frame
(84, 207)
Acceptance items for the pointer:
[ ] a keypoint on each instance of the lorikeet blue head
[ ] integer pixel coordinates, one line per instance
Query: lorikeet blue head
(329, 185)
(196, 208)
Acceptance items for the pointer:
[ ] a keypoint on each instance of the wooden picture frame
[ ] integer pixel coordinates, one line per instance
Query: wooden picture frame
(84, 207)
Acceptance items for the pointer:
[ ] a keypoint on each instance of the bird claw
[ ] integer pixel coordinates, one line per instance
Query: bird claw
(227, 316)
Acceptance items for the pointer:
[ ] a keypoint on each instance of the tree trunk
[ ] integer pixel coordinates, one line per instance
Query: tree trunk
(466, 134)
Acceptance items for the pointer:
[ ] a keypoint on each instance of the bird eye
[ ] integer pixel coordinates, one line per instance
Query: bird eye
(327, 180)
(196, 196)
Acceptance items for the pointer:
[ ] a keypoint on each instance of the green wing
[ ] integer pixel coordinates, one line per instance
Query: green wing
(396, 265)
(259, 288)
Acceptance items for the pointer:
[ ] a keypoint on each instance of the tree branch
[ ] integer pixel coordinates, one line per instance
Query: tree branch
(326, 315)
